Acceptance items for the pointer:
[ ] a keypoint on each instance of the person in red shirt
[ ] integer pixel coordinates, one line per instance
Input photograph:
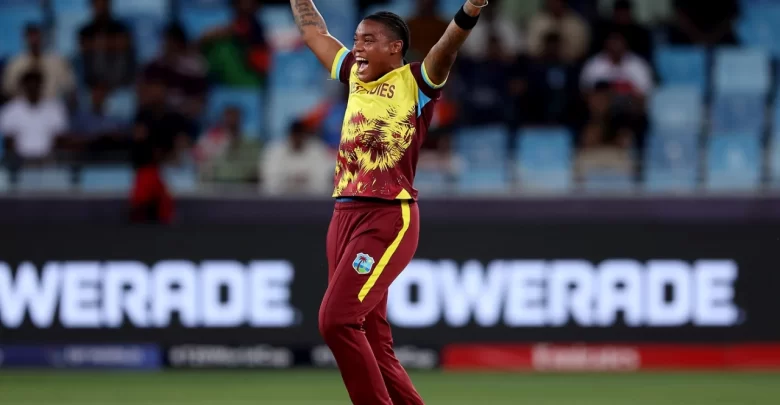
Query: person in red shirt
(374, 231)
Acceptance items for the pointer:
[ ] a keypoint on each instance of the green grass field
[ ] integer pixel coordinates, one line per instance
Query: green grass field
(324, 388)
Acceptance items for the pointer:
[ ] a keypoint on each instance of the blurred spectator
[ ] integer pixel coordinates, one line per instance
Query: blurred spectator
(485, 94)
(299, 164)
(184, 72)
(492, 23)
(437, 155)
(425, 28)
(238, 54)
(31, 123)
(224, 154)
(628, 81)
(159, 136)
(639, 38)
(559, 17)
(328, 117)
(603, 126)
(101, 136)
(704, 22)
(552, 86)
(107, 51)
(626, 72)
(58, 77)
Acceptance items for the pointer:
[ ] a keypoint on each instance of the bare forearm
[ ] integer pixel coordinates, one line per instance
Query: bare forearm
(442, 56)
(308, 19)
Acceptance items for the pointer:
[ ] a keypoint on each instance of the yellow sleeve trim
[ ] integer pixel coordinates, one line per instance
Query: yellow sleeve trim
(337, 62)
(428, 79)
(380, 267)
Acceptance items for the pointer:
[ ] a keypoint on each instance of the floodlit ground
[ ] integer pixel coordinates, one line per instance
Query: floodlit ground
(324, 388)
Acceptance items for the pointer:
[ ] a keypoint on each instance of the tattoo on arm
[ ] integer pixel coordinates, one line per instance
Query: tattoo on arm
(442, 56)
(307, 17)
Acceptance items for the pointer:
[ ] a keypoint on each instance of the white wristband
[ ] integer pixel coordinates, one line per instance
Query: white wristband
(482, 6)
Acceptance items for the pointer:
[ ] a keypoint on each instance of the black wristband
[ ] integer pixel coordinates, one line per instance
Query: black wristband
(464, 20)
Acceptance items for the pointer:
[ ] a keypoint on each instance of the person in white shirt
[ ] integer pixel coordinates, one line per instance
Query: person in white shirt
(58, 77)
(31, 123)
(300, 164)
(557, 16)
(626, 72)
(493, 24)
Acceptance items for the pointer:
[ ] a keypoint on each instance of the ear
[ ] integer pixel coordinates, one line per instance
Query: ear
(396, 46)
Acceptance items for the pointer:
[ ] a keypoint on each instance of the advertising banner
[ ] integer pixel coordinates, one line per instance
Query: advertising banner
(246, 286)
(131, 357)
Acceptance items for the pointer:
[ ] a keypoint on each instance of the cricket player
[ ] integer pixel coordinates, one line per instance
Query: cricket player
(375, 226)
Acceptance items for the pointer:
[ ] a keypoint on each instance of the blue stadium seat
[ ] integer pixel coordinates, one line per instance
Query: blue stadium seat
(447, 8)
(404, 8)
(13, 18)
(544, 159)
(70, 6)
(66, 30)
(147, 31)
(249, 101)
(197, 20)
(342, 18)
(678, 108)
(287, 107)
(106, 178)
(678, 65)
(743, 112)
(483, 147)
(297, 70)
(757, 26)
(608, 181)
(5, 181)
(180, 179)
(741, 70)
(161, 9)
(121, 104)
(484, 181)
(774, 163)
(671, 163)
(430, 181)
(44, 179)
(733, 162)
(277, 17)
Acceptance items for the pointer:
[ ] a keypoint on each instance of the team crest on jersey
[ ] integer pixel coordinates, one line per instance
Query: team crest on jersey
(363, 263)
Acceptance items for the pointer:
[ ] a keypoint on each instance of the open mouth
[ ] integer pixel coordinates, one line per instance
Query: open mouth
(362, 64)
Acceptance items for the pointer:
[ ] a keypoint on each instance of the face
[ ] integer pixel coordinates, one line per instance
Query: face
(556, 7)
(32, 88)
(101, 7)
(34, 40)
(246, 6)
(622, 16)
(232, 118)
(616, 46)
(377, 53)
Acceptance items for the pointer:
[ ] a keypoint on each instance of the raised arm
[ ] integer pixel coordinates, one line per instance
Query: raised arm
(315, 32)
(439, 61)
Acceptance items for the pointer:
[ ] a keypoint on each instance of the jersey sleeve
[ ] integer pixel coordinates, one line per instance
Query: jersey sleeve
(428, 87)
(342, 66)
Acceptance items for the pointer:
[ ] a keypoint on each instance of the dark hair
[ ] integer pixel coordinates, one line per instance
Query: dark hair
(298, 127)
(176, 33)
(622, 5)
(395, 24)
(31, 28)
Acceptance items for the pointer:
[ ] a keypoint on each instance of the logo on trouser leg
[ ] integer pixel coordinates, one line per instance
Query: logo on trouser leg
(363, 263)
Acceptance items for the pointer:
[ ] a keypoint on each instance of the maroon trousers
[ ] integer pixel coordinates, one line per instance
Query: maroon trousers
(369, 244)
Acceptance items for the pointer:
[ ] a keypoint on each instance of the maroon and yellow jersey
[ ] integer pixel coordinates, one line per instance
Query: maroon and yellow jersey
(384, 126)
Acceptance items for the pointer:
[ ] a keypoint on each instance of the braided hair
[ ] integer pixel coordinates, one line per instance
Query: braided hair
(396, 25)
